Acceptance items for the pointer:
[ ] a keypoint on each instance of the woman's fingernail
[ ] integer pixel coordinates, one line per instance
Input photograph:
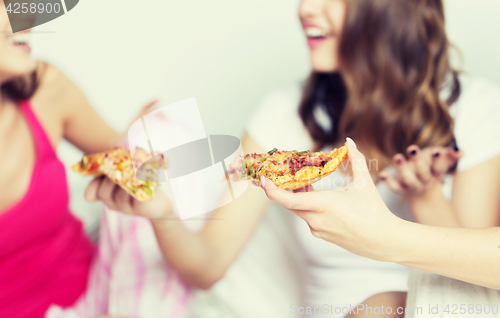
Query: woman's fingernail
(399, 161)
(413, 152)
(351, 142)
(455, 147)
(382, 178)
(263, 181)
(437, 154)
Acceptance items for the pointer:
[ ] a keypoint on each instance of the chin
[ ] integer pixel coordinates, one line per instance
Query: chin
(324, 68)
(323, 65)
(14, 71)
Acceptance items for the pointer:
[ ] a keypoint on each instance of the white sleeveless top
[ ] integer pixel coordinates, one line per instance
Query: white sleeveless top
(334, 276)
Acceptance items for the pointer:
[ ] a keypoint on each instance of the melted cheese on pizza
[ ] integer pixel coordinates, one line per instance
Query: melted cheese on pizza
(292, 169)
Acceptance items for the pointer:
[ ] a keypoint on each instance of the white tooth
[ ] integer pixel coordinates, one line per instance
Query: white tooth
(316, 32)
(21, 38)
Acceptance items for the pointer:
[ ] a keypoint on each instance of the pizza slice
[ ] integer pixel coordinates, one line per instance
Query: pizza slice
(118, 165)
(289, 170)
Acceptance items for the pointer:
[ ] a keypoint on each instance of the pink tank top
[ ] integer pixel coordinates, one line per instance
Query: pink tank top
(44, 252)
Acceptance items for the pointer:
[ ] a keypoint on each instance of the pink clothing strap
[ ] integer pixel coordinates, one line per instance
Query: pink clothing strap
(42, 141)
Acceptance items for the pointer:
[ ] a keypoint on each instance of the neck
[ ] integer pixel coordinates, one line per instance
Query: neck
(2, 97)
(2, 94)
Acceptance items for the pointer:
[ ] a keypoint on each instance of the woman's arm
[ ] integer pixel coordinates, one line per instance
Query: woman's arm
(68, 114)
(201, 258)
(476, 195)
(470, 255)
(357, 219)
(475, 201)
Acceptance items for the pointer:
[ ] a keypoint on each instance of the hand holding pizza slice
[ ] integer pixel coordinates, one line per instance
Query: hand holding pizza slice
(289, 170)
(118, 165)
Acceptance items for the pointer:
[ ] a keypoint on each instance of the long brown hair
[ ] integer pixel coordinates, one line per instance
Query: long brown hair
(393, 63)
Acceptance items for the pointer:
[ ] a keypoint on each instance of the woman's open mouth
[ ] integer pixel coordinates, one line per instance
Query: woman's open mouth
(315, 35)
(20, 40)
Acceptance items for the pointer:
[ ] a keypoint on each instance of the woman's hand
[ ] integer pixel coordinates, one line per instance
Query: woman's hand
(117, 199)
(423, 171)
(354, 217)
(146, 109)
(357, 219)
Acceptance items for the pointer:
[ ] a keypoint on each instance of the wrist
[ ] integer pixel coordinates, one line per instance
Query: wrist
(424, 204)
(432, 193)
(396, 247)
(158, 208)
(433, 208)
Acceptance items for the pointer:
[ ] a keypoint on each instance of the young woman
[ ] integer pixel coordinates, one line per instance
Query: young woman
(381, 75)
(44, 254)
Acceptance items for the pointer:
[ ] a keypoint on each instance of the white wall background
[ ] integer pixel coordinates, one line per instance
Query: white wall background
(474, 27)
(226, 53)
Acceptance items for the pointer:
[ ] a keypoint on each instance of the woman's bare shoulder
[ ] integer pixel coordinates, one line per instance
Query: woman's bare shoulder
(55, 91)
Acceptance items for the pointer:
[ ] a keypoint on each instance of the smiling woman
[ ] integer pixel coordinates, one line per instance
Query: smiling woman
(323, 35)
(45, 253)
(381, 74)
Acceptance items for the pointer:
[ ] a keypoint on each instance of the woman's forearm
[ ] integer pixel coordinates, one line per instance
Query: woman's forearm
(192, 257)
(432, 208)
(471, 255)
(203, 258)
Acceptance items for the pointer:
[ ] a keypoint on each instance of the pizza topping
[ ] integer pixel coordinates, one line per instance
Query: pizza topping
(282, 162)
(94, 167)
(147, 190)
(84, 162)
(271, 152)
(297, 163)
(251, 172)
